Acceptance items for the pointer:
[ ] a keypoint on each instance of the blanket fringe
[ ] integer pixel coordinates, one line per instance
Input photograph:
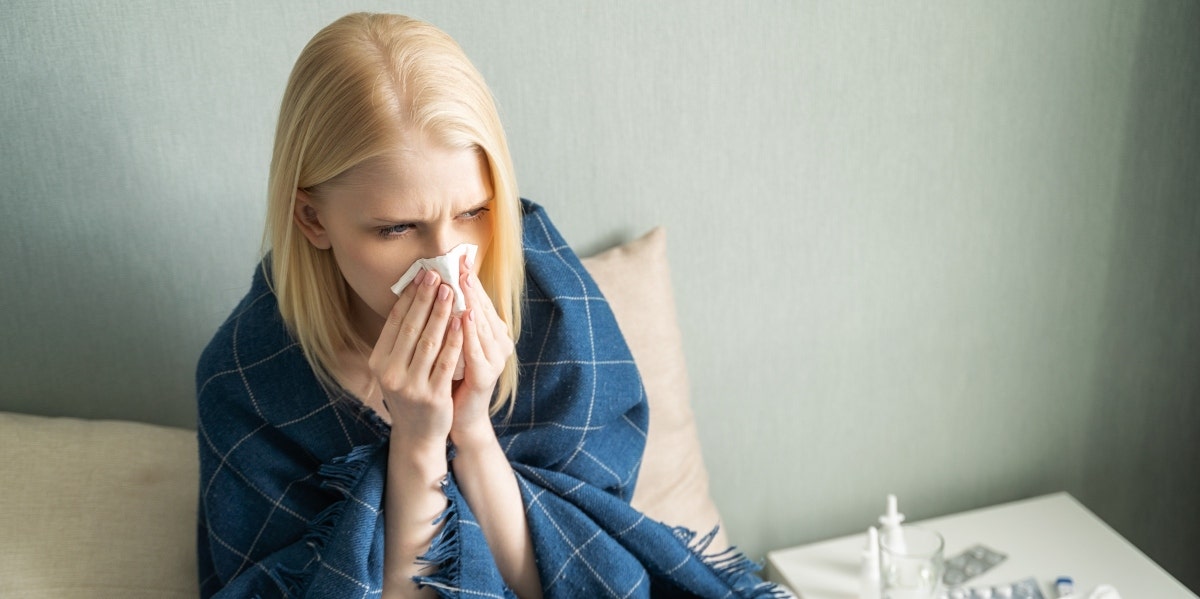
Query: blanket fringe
(340, 475)
(730, 565)
(442, 557)
(343, 471)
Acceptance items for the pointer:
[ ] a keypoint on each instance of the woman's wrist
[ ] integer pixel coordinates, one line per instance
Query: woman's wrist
(417, 451)
(490, 487)
(474, 436)
(417, 469)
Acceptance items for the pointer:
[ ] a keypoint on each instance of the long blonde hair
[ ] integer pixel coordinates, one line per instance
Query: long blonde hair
(359, 84)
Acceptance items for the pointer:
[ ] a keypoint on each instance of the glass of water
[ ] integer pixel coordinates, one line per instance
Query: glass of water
(911, 563)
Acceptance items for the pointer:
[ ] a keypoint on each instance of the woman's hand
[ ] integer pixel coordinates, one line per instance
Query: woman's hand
(414, 358)
(487, 346)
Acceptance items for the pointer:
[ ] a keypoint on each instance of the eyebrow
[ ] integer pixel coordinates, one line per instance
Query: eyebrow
(389, 219)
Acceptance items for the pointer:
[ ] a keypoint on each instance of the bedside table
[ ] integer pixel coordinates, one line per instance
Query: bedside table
(1044, 537)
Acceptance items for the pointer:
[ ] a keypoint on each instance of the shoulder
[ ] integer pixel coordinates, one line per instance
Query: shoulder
(253, 375)
(249, 359)
(539, 235)
(555, 278)
(253, 331)
(529, 206)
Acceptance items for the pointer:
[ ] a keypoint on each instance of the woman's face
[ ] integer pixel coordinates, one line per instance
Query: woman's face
(418, 202)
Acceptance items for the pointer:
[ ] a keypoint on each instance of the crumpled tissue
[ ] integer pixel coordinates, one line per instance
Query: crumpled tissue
(447, 266)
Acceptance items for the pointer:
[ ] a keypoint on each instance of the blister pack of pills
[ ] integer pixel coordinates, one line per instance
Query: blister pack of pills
(1022, 589)
(971, 563)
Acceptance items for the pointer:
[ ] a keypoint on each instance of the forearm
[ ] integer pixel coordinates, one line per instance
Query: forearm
(489, 485)
(414, 500)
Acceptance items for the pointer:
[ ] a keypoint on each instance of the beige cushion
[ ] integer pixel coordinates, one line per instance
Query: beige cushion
(673, 484)
(96, 509)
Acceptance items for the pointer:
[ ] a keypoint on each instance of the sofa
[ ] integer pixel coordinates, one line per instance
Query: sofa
(108, 508)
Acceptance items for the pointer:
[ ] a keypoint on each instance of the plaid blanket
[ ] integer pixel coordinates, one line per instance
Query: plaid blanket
(292, 474)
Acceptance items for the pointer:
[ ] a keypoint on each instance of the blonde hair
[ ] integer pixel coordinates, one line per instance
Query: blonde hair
(360, 84)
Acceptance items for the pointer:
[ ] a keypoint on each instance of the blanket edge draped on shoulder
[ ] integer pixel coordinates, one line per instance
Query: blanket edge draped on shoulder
(292, 474)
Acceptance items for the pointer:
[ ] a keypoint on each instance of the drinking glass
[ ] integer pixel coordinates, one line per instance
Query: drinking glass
(911, 563)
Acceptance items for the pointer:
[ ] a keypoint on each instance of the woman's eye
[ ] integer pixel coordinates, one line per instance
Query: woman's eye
(474, 214)
(394, 230)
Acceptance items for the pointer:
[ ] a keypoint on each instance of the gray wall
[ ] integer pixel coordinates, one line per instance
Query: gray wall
(949, 250)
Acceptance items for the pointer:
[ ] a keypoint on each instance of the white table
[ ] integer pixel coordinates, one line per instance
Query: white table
(1044, 537)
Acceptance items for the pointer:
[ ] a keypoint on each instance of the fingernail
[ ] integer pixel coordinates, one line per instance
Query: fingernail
(468, 282)
(455, 324)
(471, 315)
(430, 279)
(420, 277)
(470, 261)
(444, 292)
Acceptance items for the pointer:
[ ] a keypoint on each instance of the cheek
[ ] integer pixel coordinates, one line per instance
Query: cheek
(370, 270)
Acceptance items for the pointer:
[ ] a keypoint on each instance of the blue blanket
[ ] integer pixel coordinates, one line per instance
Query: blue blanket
(292, 474)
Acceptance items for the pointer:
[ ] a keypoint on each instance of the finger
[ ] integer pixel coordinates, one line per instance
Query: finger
(447, 359)
(498, 327)
(415, 321)
(477, 336)
(391, 327)
(476, 355)
(409, 293)
(493, 332)
(497, 344)
(464, 266)
(430, 343)
(479, 304)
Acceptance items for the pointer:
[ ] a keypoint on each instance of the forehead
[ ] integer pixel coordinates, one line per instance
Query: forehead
(422, 179)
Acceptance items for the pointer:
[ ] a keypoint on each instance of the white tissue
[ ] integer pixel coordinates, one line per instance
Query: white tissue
(447, 267)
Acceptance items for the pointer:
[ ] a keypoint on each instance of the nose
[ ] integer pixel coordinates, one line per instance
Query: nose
(443, 239)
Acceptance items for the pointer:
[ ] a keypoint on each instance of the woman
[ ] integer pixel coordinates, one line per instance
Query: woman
(339, 457)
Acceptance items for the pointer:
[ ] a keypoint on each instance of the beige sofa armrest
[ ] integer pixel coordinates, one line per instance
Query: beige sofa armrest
(96, 509)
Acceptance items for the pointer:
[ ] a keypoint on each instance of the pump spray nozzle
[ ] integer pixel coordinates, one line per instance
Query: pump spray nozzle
(891, 532)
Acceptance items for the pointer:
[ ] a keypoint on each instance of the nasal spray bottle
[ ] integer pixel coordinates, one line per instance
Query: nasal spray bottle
(890, 530)
(870, 566)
